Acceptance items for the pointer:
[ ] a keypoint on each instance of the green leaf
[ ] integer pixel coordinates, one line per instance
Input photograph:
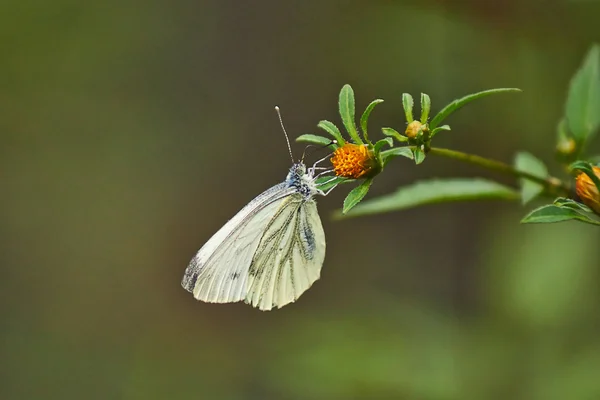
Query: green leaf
(435, 191)
(562, 130)
(347, 108)
(583, 102)
(356, 195)
(333, 130)
(395, 134)
(569, 203)
(586, 168)
(425, 107)
(419, 155)
(364, 119)
(458, 103)
(526, 162)
(440, 128)
(552, 213)
(407, 104)
(387, 155)
(380, 143)
(327, 182)
(316, 139)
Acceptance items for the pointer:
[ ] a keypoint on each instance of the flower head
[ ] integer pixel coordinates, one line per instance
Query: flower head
(587, 190)
(413, 128)
(354, 161)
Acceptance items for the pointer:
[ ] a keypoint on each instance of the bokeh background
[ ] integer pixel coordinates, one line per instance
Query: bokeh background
(131, 131)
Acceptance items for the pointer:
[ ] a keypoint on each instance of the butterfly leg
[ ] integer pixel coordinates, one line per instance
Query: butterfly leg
(318, 162)
(322, 193)
(330, 189)
(324, 172)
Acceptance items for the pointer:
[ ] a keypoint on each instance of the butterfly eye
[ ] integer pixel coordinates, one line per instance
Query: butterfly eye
(354, 161)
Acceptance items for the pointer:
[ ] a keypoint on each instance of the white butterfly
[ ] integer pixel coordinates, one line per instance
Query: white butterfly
(269, 253)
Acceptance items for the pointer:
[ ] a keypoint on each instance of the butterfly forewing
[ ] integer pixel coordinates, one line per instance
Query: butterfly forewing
(217, 273)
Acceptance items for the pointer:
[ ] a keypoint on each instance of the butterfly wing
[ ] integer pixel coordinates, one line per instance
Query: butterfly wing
(290, 255)
(218, 272)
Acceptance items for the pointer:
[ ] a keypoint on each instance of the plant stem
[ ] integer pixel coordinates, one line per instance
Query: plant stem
(551, 184)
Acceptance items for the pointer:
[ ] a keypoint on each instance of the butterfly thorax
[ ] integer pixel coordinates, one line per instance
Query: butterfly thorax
(302, 181)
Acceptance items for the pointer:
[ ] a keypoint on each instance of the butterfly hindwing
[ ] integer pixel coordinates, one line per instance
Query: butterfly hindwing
(289, 256)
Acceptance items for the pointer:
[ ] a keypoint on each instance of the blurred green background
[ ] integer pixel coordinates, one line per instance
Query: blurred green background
(131, 131)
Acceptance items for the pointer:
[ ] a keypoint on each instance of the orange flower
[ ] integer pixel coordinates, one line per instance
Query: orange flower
(354, 161)
(587, 190)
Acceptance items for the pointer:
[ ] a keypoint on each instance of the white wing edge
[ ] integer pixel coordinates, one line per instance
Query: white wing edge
(225, 237)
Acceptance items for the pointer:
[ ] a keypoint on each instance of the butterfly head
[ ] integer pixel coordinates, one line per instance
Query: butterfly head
(301, 180)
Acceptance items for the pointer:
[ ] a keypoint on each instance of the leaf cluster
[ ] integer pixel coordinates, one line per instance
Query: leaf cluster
(576, 129)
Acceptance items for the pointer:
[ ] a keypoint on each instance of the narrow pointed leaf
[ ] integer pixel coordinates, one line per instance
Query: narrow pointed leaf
(435, 191)
(395, 134)
(380, 143)
(405, 151)
(425, 107)
(356, 195)
(407, 104)
(315, 139)
(528, 163)
(333, 130)
(346, 104)
(458, 103)
(440, 128)
(583, 102)
(364, 119)
(419, 155)
(552, 213)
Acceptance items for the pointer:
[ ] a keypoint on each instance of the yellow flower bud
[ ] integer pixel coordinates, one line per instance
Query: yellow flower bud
(587, 190)
(566, 146)
(412, 130)
(354, 161)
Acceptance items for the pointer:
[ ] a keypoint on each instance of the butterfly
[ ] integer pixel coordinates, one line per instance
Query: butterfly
(270, 252)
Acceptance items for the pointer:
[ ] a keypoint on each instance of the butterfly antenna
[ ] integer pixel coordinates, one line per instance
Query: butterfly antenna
(287, 139)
